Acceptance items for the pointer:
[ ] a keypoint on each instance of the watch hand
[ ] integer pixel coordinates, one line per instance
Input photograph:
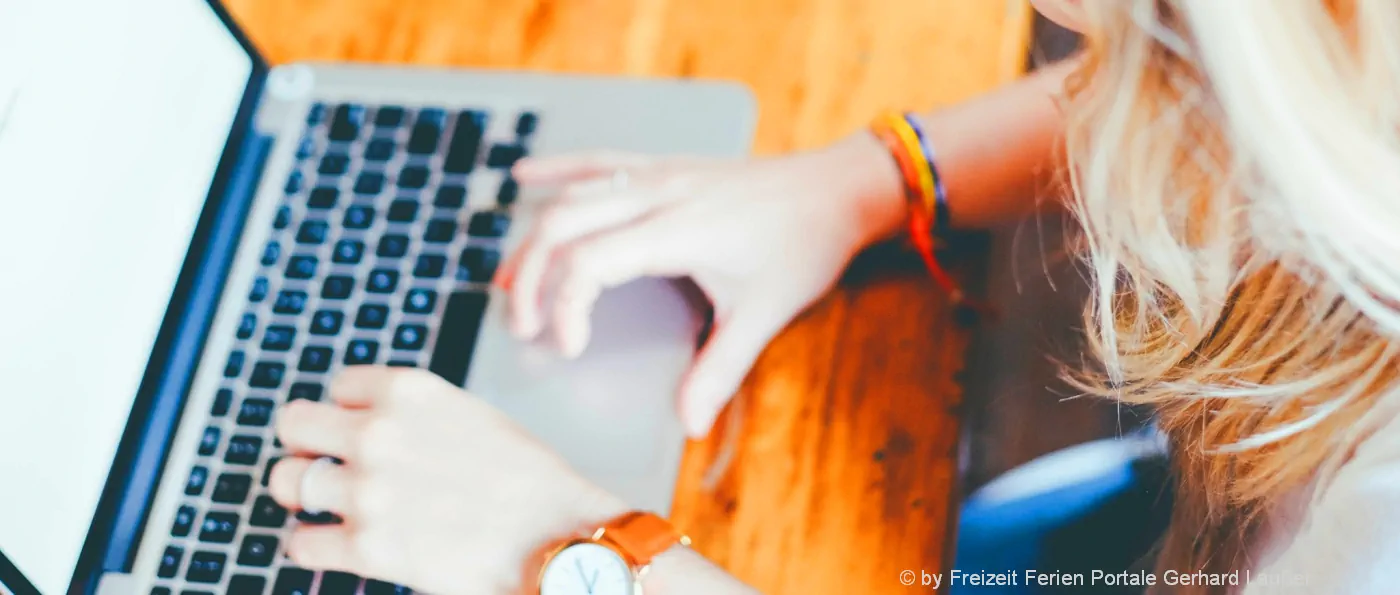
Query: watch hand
(578, 563)
(9, 107)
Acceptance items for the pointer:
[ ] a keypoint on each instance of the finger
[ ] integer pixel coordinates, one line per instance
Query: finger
(604, 261)
(323, 547)
(572, 213)
(326, 489)
(558, 225)
(359, 387)
(320, 428)
(721, 366)
(569, 168)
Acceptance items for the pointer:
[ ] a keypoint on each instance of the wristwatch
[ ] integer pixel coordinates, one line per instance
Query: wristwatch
(613, 560)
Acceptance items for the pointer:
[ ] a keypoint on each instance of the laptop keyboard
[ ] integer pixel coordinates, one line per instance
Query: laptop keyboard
(386, 237)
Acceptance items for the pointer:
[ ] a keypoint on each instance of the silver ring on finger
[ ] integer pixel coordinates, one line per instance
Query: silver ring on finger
(310, 504)
(620, 180)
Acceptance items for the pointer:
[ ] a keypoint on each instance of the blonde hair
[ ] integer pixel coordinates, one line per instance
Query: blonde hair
(1236, 169)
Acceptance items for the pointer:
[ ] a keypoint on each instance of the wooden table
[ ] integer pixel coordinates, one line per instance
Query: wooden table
(846, 462)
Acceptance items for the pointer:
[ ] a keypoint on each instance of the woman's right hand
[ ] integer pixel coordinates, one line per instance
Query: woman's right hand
(763, 239)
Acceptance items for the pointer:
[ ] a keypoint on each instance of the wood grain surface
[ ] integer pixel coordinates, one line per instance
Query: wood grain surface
(846, 463)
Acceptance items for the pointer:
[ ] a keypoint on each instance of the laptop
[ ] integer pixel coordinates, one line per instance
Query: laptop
(192, 238)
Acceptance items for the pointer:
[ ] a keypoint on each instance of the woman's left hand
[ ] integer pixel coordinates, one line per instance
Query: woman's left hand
(438, 490)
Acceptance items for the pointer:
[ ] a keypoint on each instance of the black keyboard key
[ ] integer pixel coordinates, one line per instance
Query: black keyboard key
(505, 156)
(306, 148)
(326, 322)
(410, 337)
(430, 266)
(267, 513)
(315, 359)
(393, 245)
(266, 477)
(461, 320)
(247, 584)
(255, 412)
(301, 267)
(247, 325)
(373, 587)
(257, 551)
(372, 317)
(323, 197)
(465, 146)
(283, 218)
(292, 581)
(294, 183)
(316, 114)
(403, 211)
(271, 252)
(289, 302)
(337, 287)
(234, 367)
(420, 301)
(267, 375)
(402, 363)
(526, 125)
(308, 391)
(379, 150)
(170, 562)
(345, 123)
(414, 177)
(451, 197)
(259, 291)
(193, 592)
(334, 164)
(348, 252)
(433, 114)
(369, 183)
(510, 190)
(361, 352)
(243, 450)
(232, 488)
(389, 116)
(223, 400)
(184, 522)
(425, 137)
(339, 583)
(320, 518)
(382, 281)
(478, 264)
(209, 441)
(313, 232)
(199, 476)
(440, 231)
(488, 224)
(279, 337)
(359, 217)
(207, 567)
(218, 527)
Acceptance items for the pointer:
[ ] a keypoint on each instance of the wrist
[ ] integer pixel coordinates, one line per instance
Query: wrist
(862, 171)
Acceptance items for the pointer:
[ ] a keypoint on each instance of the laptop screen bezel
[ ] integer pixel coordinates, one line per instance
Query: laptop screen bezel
(117, 522)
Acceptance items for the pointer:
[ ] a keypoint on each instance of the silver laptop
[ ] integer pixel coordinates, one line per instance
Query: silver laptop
(191, 238)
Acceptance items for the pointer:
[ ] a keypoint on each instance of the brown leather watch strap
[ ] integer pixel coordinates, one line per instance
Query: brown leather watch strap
(642, 536)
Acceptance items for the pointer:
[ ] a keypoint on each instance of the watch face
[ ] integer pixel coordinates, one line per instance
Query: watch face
(586, 569)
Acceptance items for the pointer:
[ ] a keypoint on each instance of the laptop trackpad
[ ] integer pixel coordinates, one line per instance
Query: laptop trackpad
(611, 412)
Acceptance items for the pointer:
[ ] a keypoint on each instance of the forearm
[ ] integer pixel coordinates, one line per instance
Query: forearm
(997, 155)
(682, 571)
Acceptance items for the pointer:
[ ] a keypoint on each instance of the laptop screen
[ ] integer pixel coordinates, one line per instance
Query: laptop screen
(113, 117)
